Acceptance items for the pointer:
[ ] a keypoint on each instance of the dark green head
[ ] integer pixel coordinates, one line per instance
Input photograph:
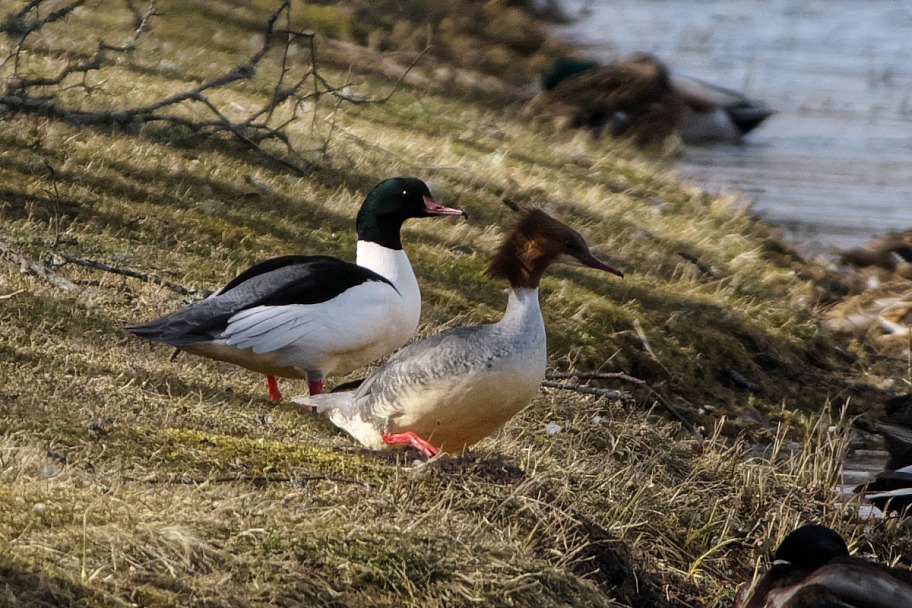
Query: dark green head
(564, 68)
(811, 547)
(390, 203)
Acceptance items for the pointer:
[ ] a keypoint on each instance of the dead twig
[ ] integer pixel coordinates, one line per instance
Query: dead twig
(238, 132)
(608, 393)
(298, 87)
(593, 376)
(642, 336)
(71, 259)
(10, 296)
(613, 376)
(19, 25)
(29, 266)
(402, 76)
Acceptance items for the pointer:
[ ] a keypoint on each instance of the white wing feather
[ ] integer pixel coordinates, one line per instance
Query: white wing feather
(336, 326)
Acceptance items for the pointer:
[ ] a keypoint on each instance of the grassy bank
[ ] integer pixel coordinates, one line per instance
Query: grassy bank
(128, 478)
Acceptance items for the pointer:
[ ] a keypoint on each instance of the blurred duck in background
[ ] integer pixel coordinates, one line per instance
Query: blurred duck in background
(891, 252)
(640, 97)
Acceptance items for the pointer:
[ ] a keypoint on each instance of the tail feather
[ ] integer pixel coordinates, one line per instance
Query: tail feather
(325, 402)
(186, 326)
(747, 117)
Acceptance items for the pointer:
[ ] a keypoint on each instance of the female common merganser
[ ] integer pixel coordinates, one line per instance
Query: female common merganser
(308, 316)
(812, 569)
(453, 389)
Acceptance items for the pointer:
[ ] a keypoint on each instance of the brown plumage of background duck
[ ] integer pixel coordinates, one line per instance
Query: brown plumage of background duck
(639, 97)
(633, 97)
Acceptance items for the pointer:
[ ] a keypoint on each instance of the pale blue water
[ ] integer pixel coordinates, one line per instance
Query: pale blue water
(834, 165)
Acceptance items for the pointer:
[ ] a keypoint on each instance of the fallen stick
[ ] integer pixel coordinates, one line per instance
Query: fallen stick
(71, 259)
(591, 390)
(609, 393)
(30, 266)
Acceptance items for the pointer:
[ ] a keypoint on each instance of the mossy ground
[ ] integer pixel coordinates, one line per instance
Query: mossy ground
(131, 479)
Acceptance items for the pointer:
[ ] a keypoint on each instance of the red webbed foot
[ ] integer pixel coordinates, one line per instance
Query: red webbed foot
(274, 392)
(410, 438)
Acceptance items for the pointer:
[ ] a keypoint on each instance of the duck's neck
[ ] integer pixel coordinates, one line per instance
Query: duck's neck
(395, 266)
(523, 311)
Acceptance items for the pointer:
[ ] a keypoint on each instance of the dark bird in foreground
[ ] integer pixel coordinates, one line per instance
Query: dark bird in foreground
(303, 316)
(812, 569)
(455, 388)
(641, 98)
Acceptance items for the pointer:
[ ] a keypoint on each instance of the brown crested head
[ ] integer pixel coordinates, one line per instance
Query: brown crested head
(535, 242)
(647, 65)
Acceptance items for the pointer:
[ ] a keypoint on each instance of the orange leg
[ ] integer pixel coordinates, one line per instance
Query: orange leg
(274, 393)
(410, 438)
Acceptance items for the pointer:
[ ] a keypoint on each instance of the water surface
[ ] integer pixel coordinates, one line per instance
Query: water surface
(834, 165)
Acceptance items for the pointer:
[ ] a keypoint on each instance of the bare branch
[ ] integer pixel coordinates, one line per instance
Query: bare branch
(142, 26)
(71, 259)
(593, 376)
(15, 87)
(18, 25)
(402, 76)
(238, 132)
(301, 88)
(591, 390)
(611, 376)
(29, 266)
(11, 295)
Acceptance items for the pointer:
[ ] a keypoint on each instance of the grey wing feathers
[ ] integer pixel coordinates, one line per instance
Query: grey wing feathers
(199, 321)
(450, 353)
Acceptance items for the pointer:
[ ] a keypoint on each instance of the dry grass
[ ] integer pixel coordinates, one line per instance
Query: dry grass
(128, 479)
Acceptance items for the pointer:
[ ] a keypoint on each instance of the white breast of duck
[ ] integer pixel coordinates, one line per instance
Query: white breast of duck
(366, 322)
(457, 387)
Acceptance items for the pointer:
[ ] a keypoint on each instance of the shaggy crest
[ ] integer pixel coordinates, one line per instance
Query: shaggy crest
(535, 242)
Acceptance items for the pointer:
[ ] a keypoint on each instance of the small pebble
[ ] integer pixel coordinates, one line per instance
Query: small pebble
(49, 471)
(553, 428)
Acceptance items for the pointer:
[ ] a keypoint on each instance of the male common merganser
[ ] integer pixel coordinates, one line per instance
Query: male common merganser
(302, 316)
(455, 388)
(812, 569)
(628, 98)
